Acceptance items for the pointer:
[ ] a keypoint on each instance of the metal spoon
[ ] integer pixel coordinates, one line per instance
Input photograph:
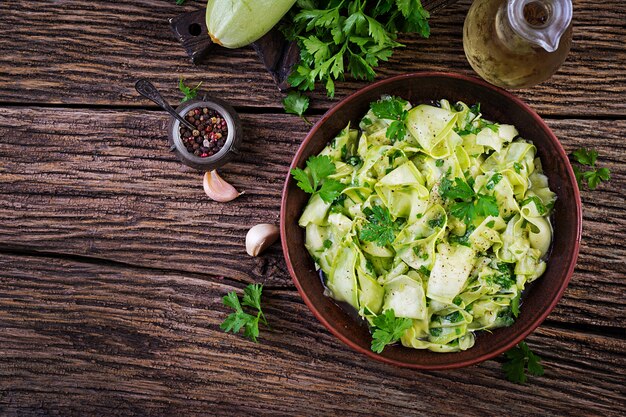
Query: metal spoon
(149, 91)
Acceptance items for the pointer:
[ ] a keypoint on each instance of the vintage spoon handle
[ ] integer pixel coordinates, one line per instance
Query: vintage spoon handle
(149, 91)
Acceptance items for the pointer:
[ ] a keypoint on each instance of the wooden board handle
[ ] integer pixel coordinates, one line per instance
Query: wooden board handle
(190, 29)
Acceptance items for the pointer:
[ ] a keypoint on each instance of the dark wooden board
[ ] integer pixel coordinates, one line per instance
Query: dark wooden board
(101, 184)
(90, 53)
(94, 339)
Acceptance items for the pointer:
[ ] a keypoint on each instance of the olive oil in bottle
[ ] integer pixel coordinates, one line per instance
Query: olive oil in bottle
(517, 43)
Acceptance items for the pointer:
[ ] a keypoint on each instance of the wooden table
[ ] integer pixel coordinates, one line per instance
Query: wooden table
(113, 262)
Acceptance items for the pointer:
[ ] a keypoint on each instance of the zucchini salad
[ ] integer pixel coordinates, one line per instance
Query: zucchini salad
(429, 221)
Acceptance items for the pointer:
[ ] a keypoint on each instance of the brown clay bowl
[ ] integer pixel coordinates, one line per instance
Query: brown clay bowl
(496, 104)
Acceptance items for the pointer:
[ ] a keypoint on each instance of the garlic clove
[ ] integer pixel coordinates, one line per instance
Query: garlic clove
(218, 189)
(260, 237)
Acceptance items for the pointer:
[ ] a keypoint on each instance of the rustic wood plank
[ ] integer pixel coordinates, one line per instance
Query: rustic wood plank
(101, 184)
(85, 339)
(85, 52)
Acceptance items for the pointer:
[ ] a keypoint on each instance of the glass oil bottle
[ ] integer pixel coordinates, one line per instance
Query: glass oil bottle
(517, 43)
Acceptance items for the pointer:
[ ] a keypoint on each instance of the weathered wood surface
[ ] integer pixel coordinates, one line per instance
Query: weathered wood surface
(86, 52)
(102, 184)
(113, 262)
(92, 339)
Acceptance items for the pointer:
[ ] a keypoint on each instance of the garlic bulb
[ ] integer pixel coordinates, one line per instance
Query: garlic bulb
(218, 189)
(260, 237)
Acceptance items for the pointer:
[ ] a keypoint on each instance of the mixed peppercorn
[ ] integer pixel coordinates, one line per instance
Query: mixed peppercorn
(210, 133)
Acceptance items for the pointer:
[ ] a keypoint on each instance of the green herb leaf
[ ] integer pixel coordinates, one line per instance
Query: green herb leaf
(240, 319)
(466, 204)
(396, 131)
(520, 359)
(252, 296)
(296, 103)
(459, 189)
(462, 240)
(380, 228)
(320, 167)
(515, 304)
(493, 181)
(304, 182)
(180, 2)
(391, 108)
(541, 208)
(585, 156)
(486, 205)
(593, 176)
(388, 329)
(188, 92)
(435, 331)
(330, 190)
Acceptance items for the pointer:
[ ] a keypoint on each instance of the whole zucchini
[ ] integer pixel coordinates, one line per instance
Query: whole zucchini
(236, 23)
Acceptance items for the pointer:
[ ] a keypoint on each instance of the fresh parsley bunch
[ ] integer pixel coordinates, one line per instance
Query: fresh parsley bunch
(240, 319)
(339, 36)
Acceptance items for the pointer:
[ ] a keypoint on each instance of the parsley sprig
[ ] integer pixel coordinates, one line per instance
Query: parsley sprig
(594, 176)
(520, 360)
(296, 103)
(392, 108)
(320, 167)
(188, 92)
(340, 36)
(467, 204)
(240, 319)
(380, 228)
(388, 329)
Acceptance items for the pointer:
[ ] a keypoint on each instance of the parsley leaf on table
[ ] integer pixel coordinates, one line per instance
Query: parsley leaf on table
(466, 204)
(189, 93)
(392, 108)
(320, 167)
(296, 103)
(520, 359)
(586, 156)
(380, 227)
(388, 329)
(594, 176)
(240, 319)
